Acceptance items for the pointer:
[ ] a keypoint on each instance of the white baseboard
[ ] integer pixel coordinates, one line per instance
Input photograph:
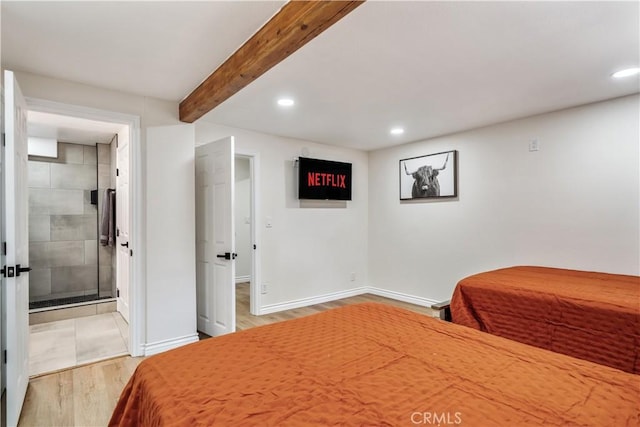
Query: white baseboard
(242, 279)
(160, 346)
(398, 296)
(304, 302)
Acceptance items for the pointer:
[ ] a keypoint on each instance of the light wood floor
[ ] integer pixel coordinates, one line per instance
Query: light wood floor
(245, 320)
(86, 396)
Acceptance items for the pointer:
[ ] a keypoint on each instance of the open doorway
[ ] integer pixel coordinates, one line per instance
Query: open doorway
(219, 246)
(74, 291)
(248, 288)
(244, 241)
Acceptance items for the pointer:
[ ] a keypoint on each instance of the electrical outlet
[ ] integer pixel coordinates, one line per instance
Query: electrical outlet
(264, 287)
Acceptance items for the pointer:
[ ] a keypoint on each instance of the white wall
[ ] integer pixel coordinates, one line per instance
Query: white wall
(161, 292)
(573, 204)
(312, 248)
(152, 111)
(242, 215)
(171, 228)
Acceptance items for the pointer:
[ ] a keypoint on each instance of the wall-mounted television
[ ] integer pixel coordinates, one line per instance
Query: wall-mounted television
(323, 179)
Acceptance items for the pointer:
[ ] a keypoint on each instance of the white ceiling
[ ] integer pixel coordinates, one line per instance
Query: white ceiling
(162, 49)
(432, 67)
(74, 130)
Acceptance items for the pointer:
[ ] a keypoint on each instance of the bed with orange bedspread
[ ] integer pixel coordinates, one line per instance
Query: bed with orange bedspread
(376, 365)
(592, 316)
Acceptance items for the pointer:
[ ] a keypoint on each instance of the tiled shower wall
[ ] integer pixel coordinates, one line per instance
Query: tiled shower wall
(63, 224)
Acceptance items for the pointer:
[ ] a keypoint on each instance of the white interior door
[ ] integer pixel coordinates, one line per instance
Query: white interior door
(123, 216)
(215, 237)
(15, 231)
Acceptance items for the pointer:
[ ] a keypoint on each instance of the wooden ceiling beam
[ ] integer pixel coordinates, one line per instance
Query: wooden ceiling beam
(297, 23)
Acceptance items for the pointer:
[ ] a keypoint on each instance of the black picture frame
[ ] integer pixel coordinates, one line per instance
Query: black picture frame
(432, 176)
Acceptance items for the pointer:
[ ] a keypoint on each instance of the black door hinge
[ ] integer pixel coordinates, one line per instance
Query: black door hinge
(5, 357)
(4, 248)
(3, 140)
(130, 252)
(117, 293)
(117, 172)
(254, 246)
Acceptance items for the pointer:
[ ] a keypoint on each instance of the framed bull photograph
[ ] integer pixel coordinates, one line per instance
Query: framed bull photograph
(429, 177)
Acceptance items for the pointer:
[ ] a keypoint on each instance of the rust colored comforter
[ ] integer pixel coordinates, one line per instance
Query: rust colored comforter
(592, 316)
(373, 365)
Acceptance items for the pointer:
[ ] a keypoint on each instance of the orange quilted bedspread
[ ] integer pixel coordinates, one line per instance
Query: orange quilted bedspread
(373, 365)
(592, 316)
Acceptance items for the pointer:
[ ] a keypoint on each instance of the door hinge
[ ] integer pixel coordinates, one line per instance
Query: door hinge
(3, 140)
(117, 293)
(4, 248)
(117, 172)
(130, 252)
(254, 246)
(5, 357)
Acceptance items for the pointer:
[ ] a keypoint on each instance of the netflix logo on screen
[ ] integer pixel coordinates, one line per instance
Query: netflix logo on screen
(323, 179)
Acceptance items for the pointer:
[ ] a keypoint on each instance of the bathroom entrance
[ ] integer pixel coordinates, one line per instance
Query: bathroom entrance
(73, 242)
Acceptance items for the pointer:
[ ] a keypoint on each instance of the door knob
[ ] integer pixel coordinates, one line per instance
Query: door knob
(22, 269)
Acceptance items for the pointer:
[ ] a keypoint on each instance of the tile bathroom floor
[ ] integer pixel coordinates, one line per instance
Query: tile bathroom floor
(67, 343)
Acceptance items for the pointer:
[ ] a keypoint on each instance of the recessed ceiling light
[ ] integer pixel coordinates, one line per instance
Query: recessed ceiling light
(397, 131)
(626, 73)
(286, 102)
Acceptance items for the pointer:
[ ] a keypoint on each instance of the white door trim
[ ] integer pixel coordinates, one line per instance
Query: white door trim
(137, 283)
(254, 168)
